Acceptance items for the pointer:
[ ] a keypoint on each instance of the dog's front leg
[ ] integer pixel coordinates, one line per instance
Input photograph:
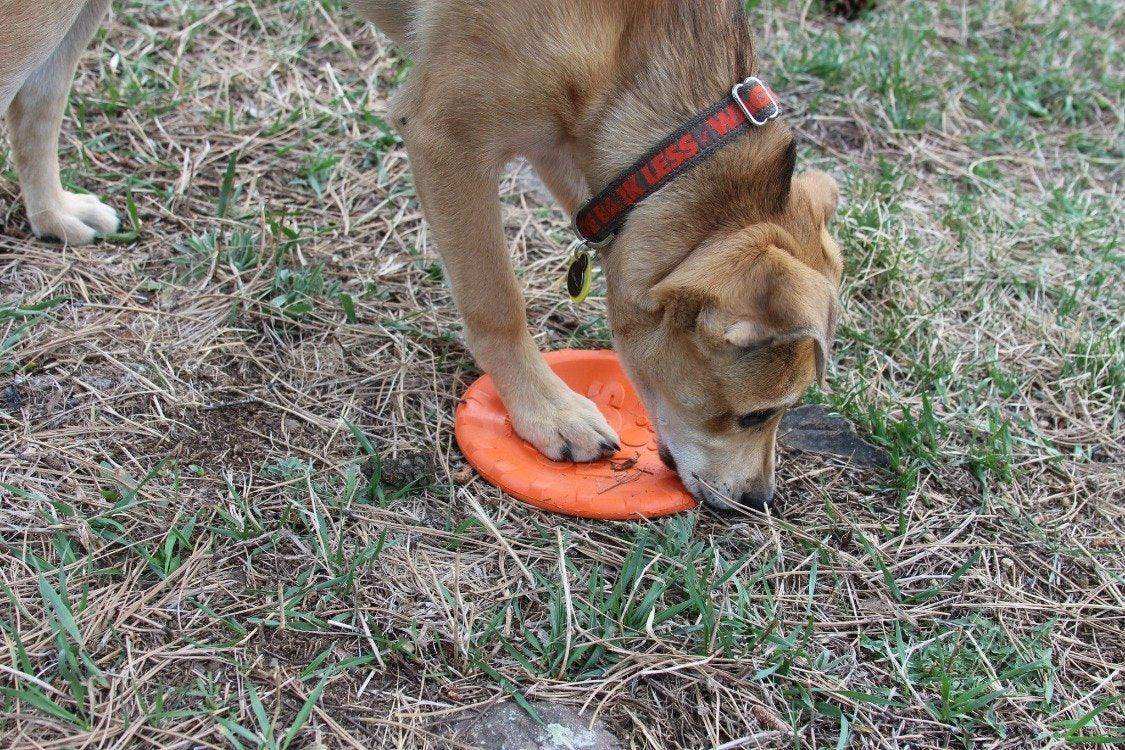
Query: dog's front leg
(558, 170)
(34, 118)
(459, 193)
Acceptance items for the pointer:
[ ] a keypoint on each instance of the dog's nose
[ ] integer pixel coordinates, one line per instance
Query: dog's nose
(758, 498)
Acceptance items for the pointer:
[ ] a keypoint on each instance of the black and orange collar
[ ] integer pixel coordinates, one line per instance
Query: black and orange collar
(750, 104)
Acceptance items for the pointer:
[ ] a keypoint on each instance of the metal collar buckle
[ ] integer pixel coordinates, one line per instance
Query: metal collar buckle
(745, 88)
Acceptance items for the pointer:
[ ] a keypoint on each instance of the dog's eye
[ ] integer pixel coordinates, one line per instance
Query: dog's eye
(749, 421)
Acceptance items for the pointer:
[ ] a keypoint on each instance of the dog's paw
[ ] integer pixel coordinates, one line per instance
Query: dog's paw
(75, 220)
(566, 427)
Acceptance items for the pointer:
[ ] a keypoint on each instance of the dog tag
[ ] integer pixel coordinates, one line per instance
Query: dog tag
(579, 275)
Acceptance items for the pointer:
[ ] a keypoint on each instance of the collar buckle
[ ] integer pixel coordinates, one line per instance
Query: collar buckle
(757, 100)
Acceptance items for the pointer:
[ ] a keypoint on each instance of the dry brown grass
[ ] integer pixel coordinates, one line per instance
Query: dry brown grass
(191, 530)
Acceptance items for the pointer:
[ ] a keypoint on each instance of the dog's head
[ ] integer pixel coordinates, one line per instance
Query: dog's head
(741, 329)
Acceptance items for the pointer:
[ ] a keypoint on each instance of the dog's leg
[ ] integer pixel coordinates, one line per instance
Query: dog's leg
(559, 172)
(459, 192)
(34, 118)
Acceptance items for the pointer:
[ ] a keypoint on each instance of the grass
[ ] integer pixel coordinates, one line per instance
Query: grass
(231, 511)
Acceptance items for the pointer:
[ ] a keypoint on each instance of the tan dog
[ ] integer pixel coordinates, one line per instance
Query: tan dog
(721, 286)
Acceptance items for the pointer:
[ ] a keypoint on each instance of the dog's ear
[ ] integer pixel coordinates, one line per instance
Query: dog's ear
(788, 302)
(747, 290)
(777, 178)
(822, 193)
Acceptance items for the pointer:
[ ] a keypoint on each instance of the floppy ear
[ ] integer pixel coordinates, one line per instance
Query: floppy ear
(790, 302)
(747, 290)
(822, 191)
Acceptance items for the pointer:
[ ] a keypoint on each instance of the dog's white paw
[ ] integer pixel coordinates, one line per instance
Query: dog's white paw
(566, 427)
(74, 220)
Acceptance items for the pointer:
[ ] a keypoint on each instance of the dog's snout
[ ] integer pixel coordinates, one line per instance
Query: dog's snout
(723, 479)
(758, 498)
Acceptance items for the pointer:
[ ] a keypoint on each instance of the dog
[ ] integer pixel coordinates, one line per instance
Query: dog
(722, 279)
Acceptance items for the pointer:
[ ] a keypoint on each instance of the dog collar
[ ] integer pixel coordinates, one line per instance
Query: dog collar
(750, 104)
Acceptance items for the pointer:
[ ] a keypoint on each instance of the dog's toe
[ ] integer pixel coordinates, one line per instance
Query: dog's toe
(96, 215)
(74, 220)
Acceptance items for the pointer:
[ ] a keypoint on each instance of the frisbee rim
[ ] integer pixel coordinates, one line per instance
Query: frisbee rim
(616, 508)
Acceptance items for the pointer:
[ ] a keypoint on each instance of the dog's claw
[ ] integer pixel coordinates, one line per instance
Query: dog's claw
(567, 453)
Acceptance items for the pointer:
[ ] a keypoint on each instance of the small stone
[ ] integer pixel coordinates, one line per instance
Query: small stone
(11, 398)
(508, 727)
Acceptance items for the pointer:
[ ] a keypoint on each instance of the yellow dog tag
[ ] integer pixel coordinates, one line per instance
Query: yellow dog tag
(579, 275)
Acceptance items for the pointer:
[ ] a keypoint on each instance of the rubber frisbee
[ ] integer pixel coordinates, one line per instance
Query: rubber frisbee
(633, 484)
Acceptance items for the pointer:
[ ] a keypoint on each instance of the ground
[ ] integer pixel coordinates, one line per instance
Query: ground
(232, 513)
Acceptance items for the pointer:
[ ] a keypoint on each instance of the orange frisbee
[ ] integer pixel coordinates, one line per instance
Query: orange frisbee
(633, 484)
